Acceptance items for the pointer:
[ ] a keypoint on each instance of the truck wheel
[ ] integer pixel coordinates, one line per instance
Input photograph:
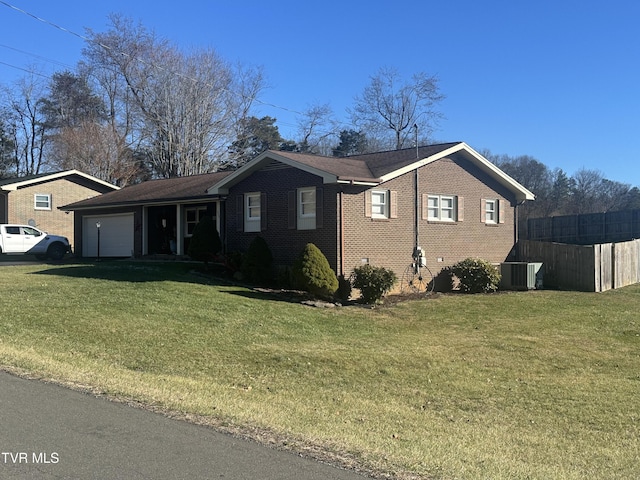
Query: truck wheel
(56, 251)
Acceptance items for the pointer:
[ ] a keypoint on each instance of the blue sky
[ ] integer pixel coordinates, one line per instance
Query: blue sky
(557, 80)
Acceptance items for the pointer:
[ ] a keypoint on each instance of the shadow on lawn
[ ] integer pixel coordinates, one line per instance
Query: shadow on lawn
(137, 272)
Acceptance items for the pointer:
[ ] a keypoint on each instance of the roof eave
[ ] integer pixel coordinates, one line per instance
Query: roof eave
(222, 187)
(521, 193)
(141, 203)
(54, 176)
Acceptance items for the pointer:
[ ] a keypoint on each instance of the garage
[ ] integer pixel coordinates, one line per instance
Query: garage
(115, 234)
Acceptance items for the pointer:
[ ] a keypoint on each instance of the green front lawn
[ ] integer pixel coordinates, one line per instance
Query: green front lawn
(531, 385)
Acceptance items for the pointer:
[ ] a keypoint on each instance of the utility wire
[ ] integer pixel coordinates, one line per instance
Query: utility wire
(107, 47)
(110, 49)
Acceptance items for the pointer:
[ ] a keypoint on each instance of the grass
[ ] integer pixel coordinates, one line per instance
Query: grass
(531, 385)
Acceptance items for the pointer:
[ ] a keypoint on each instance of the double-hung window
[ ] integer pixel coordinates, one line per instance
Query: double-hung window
(305, 207)
(380, 204)
(252, 210)
(42, 201)
(307, 202)
(491, 211)
(441, 208)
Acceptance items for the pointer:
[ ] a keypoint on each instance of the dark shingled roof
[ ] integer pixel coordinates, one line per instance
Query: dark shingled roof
(169, 189)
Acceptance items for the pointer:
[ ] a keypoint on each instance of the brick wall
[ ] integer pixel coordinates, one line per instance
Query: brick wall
(383, 242)
(285, 243)
(21, 206)
(390, 242)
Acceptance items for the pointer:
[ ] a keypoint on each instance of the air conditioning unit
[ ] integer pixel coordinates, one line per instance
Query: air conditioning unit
(521, 275)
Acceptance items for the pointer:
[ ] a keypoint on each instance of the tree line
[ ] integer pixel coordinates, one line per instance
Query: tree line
(586, 191)
(137, 107)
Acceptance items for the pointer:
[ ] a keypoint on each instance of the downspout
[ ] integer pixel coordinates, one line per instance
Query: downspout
(516, 230)
(417, 201)
(341, 230)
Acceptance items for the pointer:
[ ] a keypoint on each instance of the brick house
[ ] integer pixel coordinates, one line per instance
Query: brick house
(35, 199)
(375, 208)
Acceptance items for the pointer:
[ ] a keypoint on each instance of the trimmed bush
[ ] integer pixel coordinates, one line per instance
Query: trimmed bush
(373, 282)
(476, 276)
(344, 289)
(205, 243)
(257, 264)
(311, 272)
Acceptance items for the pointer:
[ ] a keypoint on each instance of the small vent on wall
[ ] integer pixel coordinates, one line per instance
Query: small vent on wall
(275, 165)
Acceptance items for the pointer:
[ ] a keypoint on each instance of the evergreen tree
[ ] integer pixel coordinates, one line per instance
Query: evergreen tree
(205, 242)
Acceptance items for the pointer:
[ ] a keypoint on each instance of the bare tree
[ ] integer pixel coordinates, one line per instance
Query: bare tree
(317, 130)
(187, 104)
(391, 105)
(26, 124)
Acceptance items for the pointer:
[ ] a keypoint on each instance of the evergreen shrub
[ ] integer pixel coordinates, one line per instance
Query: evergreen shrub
(257, 264)
(205, 243)
(311, 272)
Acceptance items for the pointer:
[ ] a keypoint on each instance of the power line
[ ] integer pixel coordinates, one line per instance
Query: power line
(107, 47)
(110, 49)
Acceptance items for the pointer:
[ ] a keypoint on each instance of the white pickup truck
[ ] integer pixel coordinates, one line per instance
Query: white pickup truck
(27, 240)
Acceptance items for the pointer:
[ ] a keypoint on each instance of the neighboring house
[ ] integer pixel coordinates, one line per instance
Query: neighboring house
(34, 199)
(376, 208)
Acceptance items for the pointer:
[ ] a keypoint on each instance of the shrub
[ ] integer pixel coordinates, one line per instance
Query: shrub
(476, 276)
(443, 281)
(257, 264)
(373, 282)
(205, 242)
(344, 289)
(311, 272)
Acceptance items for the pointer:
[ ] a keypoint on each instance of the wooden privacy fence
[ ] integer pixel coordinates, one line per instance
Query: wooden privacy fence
(585, 229)
(588, 268)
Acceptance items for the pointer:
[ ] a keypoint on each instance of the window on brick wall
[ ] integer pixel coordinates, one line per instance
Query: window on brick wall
(42, 201)
(492, 211)
(305, 207)
(442, 208)
(381, 204)
(252, 212)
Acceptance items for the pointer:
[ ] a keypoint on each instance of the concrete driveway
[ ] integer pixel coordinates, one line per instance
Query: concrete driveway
(50, 432)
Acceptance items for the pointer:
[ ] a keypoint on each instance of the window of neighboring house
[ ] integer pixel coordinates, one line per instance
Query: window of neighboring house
(380, 204)
(193, 215)
(441, 208)
(252, 212)
(42, 201)
(491, 211)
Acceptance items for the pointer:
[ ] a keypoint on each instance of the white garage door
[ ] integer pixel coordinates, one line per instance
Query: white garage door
(116, 236)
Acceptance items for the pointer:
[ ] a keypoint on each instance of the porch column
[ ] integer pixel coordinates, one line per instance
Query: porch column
(179, 231)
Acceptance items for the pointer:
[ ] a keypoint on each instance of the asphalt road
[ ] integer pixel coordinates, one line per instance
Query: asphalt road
(49, 432)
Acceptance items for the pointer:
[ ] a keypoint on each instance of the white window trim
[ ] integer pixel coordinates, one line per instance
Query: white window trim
(302, 191)
(249, 208)
(36, 201)
(384, 204)
(439, 217)
(197, 211)
(491, 211)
